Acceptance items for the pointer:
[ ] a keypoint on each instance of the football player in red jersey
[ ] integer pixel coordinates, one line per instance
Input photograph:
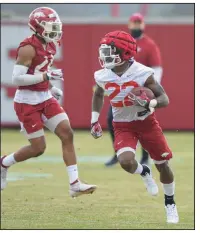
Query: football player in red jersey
(149, 55)
(35, 99)
(133, 116)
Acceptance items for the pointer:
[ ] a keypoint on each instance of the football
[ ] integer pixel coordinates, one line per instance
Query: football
(137, 91)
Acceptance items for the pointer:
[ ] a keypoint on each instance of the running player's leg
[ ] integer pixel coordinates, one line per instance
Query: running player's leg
(32, 126)
(125, 145)
(113, 160)
(155, 143)
(56, 120)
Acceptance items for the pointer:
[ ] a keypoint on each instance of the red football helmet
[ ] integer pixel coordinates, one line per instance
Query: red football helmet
(45, 22)
(116, 48)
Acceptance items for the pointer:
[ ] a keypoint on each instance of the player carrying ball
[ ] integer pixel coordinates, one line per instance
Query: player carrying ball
(133, 116)
(35, 99)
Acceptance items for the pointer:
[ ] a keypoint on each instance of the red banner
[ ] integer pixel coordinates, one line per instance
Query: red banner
(80, 54)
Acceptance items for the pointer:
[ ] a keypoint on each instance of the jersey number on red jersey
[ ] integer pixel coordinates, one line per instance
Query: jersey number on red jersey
(47, 62)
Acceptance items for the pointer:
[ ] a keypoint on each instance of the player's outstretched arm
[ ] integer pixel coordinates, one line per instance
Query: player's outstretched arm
(161, 99)
(97, 104)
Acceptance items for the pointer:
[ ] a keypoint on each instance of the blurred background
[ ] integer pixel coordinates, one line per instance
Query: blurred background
(170, 25)
(37, 193)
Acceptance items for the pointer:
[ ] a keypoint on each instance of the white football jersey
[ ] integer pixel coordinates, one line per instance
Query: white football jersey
(117, 89)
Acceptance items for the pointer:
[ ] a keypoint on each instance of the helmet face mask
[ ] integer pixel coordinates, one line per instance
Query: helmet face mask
(52, 31)
(46, 23)
(108, 57)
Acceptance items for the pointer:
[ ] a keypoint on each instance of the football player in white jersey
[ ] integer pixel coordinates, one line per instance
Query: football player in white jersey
(133, 117)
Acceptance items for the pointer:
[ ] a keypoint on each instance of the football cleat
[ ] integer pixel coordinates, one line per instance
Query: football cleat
(172, 213)
(79, 188)
(150, 183)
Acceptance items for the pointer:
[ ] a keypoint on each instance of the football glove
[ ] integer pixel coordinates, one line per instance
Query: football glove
(55, 74)
(96, 130)
(141, 100)
(56, 92)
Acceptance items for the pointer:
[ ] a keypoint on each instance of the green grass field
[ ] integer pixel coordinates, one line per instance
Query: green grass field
(37, 193)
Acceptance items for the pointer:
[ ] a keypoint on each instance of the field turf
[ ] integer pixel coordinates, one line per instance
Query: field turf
(37, 193)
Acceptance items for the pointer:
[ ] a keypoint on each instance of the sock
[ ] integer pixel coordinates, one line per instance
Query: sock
(139, 169)
(169, 200)
(169, 190)
(9, 160)
(72, 173)
(145, 170)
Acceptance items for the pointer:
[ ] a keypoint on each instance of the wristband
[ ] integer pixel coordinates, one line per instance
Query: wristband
(153, 103)
(95, 117)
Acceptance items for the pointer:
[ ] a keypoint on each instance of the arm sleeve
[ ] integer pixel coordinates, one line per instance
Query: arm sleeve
(21, 78)
(154, 56)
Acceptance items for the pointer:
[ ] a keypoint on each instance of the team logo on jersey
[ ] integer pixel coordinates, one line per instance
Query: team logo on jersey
(39, 14)
(138, 49)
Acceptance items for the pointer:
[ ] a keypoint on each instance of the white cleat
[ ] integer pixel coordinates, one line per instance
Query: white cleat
(172, 214)
(79, 188)
(150, 184)
(3, 177)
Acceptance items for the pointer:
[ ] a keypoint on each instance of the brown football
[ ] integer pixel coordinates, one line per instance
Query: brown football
(137, 91)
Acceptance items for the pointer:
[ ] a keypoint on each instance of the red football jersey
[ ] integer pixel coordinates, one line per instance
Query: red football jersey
(41, 62)
(148, 52)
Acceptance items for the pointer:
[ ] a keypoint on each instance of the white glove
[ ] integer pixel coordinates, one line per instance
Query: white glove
(55, 74)
(56, 92)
